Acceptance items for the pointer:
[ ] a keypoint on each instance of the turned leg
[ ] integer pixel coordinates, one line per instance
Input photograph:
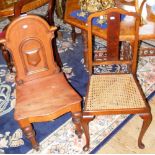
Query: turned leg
(147, 118)
(76, 118)
(30, 135)
(85, 124)
(7, 57)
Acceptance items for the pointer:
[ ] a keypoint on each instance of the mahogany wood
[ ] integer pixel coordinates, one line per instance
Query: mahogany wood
(127, 26)
(109, 108)
(42, 92)
(13, 9)
(7, 6)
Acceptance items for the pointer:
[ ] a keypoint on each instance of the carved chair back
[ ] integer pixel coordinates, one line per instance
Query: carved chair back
(31, 50)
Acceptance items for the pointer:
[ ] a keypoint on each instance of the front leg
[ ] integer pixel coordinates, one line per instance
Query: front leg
(147, 118)
(76, 118)
(85, 124)
(29, 133)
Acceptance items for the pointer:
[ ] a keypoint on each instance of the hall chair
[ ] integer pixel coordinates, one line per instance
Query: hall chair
(113, 93)
(15, 10)
(42, 91)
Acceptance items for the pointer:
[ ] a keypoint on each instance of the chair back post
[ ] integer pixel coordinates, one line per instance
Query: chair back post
(90, 46)
(51, 5)
(136, 45)
(18, 7)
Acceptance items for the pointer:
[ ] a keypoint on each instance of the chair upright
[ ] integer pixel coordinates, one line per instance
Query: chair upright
(114, 93)
(42, 92)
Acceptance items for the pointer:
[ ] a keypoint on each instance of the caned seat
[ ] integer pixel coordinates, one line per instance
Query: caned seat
(112, 92)
(115, 92)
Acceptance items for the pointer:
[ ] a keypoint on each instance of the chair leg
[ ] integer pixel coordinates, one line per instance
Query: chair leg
(7, 57)
(147, 118)
(76, 118)
(30, 135)
(73, 34)
(85, 124)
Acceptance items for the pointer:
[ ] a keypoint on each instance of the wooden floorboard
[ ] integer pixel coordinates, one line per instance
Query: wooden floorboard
(125, 141)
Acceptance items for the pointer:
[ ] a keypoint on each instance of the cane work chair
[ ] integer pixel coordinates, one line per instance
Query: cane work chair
(117, 92)
(42, 92)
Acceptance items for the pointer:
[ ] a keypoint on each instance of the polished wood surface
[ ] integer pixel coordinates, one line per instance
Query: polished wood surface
(7, 6)
(126, 28)
(12, 9)
(114, 93)
(42, 91)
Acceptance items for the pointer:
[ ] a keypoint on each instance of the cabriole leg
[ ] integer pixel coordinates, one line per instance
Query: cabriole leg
(76, 118)
(85, 124)
(147, 118)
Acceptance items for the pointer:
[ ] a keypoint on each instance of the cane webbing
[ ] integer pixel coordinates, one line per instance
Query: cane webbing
(113, 92)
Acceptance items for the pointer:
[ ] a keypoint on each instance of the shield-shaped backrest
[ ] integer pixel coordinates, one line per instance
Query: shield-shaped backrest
(29, 39)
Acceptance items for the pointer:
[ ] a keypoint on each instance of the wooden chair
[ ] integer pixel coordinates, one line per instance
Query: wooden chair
(42, 92)
(73, 6)
(114, 93)
(147, 28)
(14, 10)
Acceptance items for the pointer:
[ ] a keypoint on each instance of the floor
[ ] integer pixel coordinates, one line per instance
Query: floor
(125, 141)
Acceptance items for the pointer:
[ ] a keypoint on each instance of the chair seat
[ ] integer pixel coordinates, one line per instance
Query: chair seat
(52, 97)
(113, 92)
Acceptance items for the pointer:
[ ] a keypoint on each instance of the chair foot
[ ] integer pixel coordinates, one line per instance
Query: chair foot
(76, 118)
(86, 148)
(85, 124)
(147, 118)
(30, 134)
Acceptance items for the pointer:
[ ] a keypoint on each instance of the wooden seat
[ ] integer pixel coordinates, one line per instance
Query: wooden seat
(42, 91)
(55, 101)
(116, 92)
